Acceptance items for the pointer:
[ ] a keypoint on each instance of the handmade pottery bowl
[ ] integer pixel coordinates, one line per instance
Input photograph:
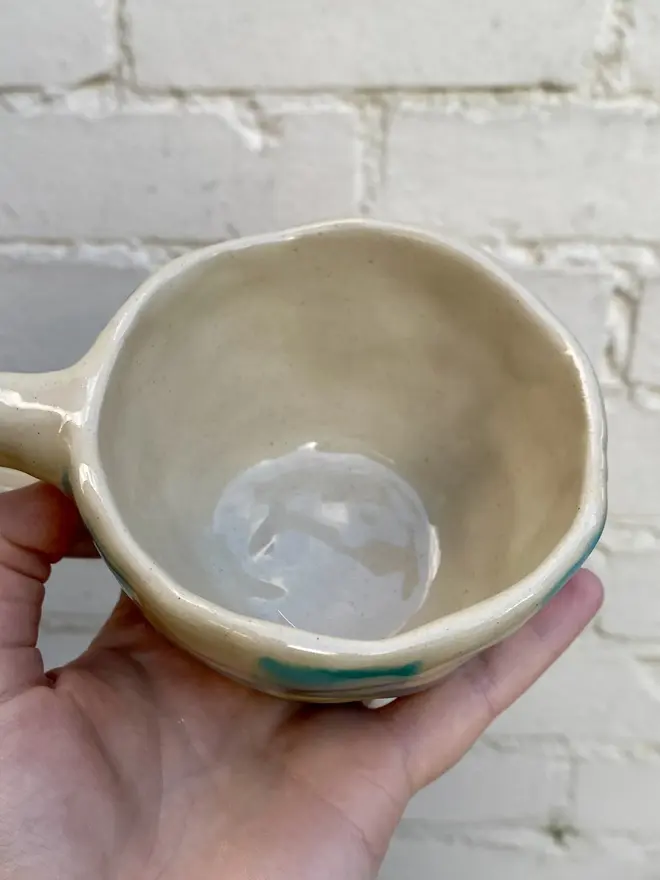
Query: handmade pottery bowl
(332, 463)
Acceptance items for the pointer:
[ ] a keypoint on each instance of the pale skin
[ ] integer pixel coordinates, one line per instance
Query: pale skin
(135, 762)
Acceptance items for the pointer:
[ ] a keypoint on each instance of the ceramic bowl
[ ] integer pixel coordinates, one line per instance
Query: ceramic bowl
(446, 431)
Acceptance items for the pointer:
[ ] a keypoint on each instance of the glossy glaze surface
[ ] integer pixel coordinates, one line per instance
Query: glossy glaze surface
(332, 542)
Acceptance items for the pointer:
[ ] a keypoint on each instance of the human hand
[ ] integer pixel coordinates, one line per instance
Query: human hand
(135, 762)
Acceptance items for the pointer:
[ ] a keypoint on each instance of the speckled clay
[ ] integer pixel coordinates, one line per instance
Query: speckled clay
(363, 337)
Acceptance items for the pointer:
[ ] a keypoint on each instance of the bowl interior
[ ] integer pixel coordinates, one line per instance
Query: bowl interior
(442, 409)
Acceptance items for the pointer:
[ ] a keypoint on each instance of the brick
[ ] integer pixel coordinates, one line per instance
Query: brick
(596, 690)
(632, 599)
(645, 360)
(644, 42)
(634, 464)
(579, 300)
(432, 860)
(192, 177)
(313, 172)
(60, 648)
(193, 43)
(43, 43)
(51, 312)
(621, 796)
(80, 588)
(525, 173)
(490, 786)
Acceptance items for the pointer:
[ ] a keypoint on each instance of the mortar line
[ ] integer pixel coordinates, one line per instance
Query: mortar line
(491, 96)
(125, 74)
(611, 69)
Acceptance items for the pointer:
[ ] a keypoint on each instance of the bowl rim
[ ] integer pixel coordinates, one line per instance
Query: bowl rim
(483, 623)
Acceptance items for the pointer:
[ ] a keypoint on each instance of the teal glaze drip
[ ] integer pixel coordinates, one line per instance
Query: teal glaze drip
(578, 565)
(293, 676)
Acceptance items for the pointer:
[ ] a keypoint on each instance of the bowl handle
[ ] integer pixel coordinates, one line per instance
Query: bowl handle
(37, 411)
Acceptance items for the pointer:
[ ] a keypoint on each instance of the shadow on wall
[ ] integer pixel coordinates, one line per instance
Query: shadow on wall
(52, 313)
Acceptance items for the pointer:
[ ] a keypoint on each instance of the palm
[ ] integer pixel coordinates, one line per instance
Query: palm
(169, 770)
(135, 761)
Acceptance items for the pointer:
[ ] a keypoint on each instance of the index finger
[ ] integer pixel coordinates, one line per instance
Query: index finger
(78, 543)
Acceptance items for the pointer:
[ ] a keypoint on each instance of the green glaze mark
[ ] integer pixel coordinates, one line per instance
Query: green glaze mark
(65, 484)
(578, 565)
(123, 583)
(310, 678)
(126, 587)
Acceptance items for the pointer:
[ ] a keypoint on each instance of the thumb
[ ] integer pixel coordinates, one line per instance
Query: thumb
(37, 526)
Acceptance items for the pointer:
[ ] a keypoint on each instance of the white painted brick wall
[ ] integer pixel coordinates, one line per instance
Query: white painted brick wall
(619, 796)
(133, 129)
(579, 299)
(53, 44)
(557, 172)
(633, 582)
(645, 361)
(58, 308)
(645, 57)
(601, 690)
(473, 860)
(130, 170)
(635, 448)
(59, 647)
(82, 591)
(364, 43)
(509, 787)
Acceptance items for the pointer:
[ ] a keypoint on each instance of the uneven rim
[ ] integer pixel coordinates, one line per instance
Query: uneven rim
(482, 622)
